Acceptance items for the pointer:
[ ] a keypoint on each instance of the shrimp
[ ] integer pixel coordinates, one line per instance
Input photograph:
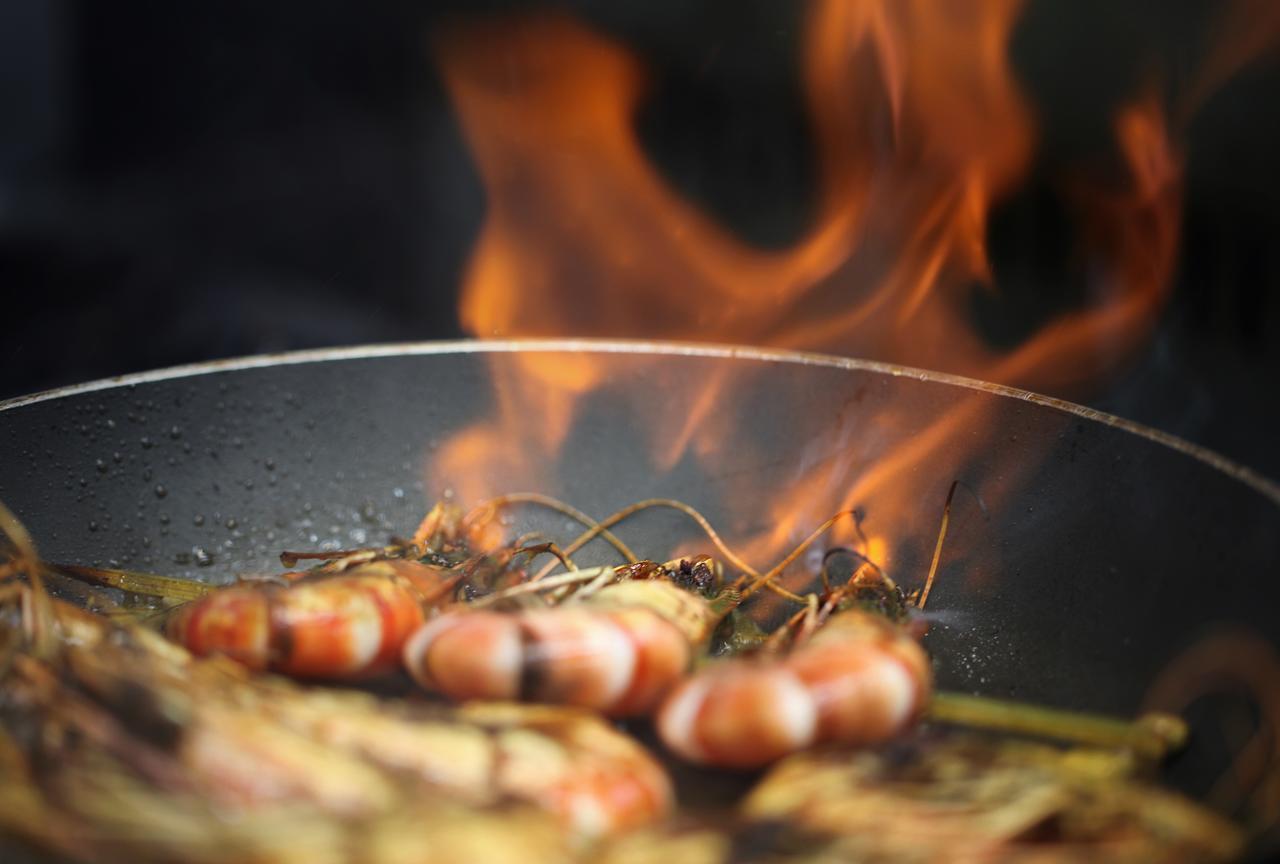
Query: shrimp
(616, 650)
(852, 674)
(348, 617)
(330, 622)
(351, 615)
(133, 717)
(331, 626)
(850, 677)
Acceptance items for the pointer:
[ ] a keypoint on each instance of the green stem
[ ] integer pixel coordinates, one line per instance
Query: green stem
(1151, 735)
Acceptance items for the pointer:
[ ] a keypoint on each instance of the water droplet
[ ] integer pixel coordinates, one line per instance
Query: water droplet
(101, 466)
(269, 464)
(146, 442)
(175, 432)
(237, 442)
(164, 518)
(202, 556)
(93, 526)
(116, 457)
(161, 491)
(231, 522)
(198, 519)
(182, 558)
(397, 492)
(146, 475)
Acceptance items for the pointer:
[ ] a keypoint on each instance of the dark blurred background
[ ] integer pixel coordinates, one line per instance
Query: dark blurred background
(181, 182)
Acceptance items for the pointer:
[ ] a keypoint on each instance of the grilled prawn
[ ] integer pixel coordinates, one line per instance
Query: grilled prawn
(850, 677)
(618, 650)
(350, 615)
(206, 735)
(331, 626)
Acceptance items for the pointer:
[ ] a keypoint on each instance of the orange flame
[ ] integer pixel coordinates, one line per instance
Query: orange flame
(919, 128)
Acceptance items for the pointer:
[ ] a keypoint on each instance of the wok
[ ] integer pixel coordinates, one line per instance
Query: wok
(1117, 549)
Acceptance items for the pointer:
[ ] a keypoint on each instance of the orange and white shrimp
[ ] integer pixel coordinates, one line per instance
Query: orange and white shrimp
(330, 626)
(860, 679)
(595, 779)
(223, 746)
(618, 650)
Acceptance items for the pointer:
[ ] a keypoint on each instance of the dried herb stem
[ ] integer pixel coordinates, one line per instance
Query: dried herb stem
(150, 584)
(1151, 736)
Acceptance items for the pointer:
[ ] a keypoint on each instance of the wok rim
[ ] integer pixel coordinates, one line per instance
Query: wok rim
(1265, 486)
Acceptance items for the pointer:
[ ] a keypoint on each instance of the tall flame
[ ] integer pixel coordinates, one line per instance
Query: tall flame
(919, 127)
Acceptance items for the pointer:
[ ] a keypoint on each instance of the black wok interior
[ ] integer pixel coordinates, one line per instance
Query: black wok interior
(1117, 552)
